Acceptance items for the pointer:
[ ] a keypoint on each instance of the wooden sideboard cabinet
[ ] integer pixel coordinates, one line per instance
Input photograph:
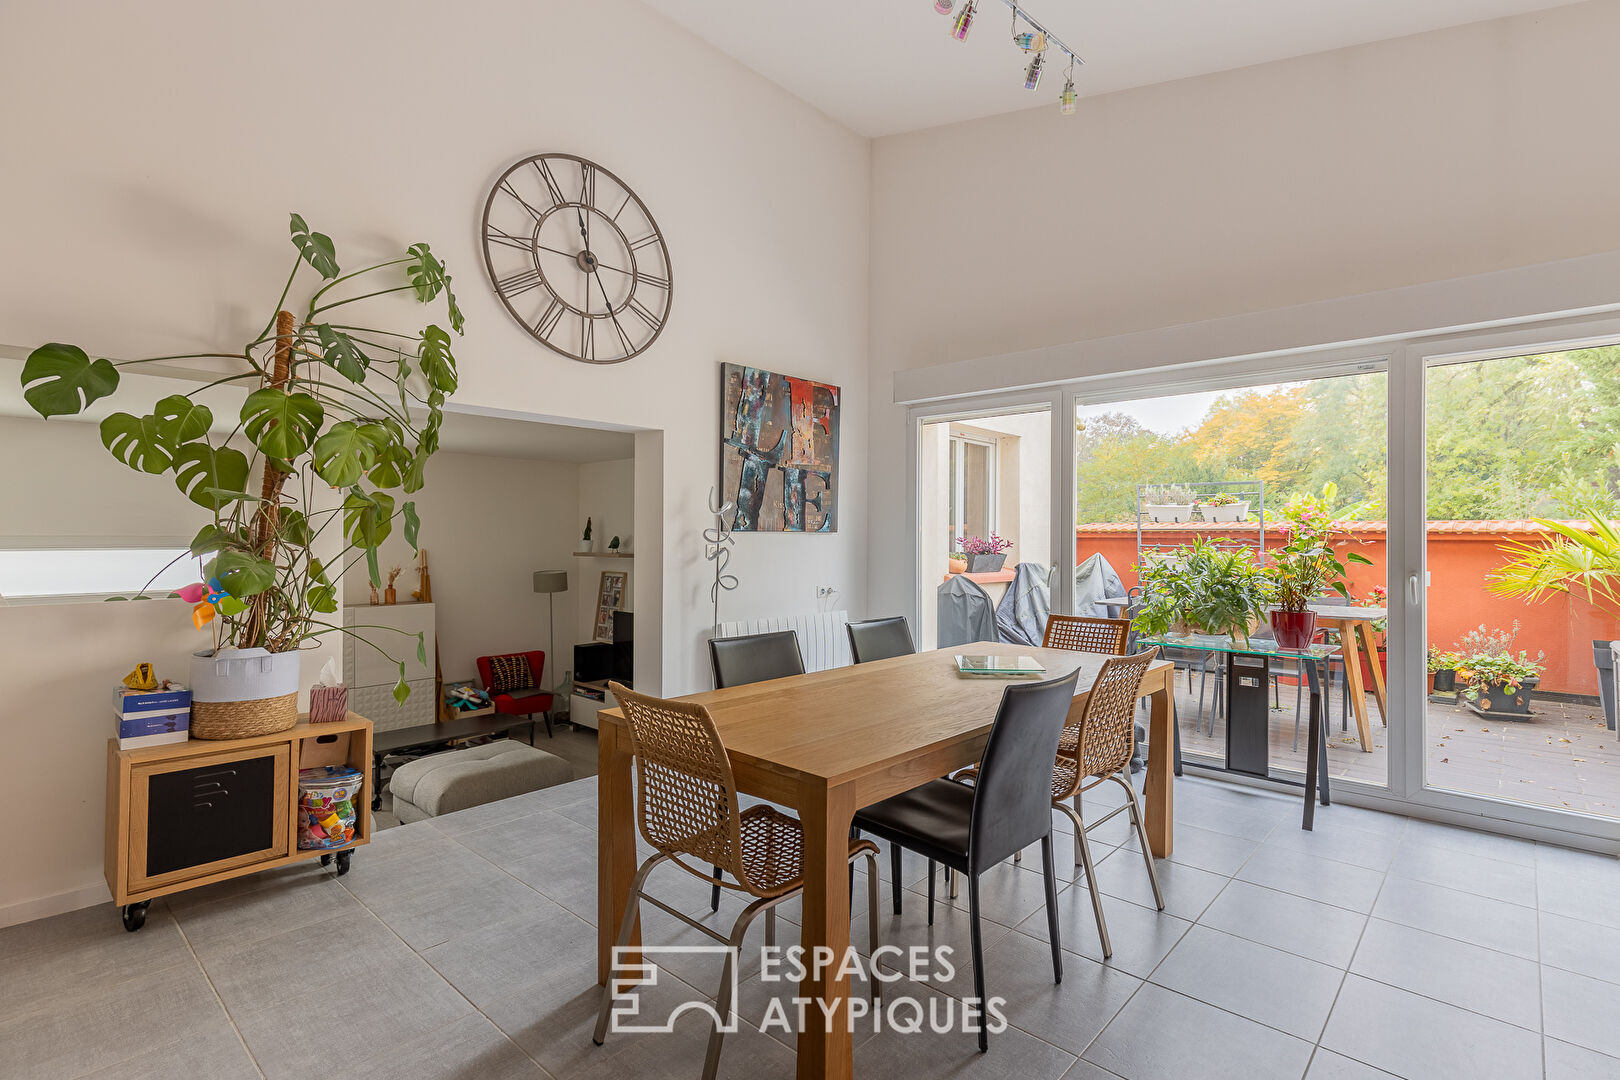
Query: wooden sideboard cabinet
(197, 812)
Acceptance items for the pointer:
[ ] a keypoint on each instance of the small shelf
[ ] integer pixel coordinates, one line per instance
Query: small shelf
(604, 554)
(997, 577)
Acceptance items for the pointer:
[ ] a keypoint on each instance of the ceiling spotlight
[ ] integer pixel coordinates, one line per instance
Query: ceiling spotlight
(1066, 99)
(944, 6)
(963, 21)
(1032, 74)
(1033, 41)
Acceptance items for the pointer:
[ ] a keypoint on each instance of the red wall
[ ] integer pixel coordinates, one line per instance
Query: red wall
(1461, 554)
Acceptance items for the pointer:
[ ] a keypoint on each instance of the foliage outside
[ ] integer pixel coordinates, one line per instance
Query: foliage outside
(1204, 588)
(1307, 566)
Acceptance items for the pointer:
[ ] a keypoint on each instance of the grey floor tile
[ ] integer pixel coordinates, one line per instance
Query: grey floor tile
(1326, 1065)
(953, 1051)
(1358, 847)
(1247, 817)
(46, 963)
(1070, 1014)
(1580, 1010)
(565, 874)
(1340, 884)
(1162, 1034)
(277, 970)
(1471, 841)
(1284, 921)
(1187, 890)
(226, 925)
(438, 909)
(1477, 919)
(1459, 870)
(1474, 978)
(479, 817)
(524, 837)
(1008, 894)
(1362, 819)
(1413, 1036)
(468, 1047)
(1567, 1062)
(215, 1052)
(106, 1025)
(1141, 936)
(1578, 885)
(509, 957)
(952, 930)
(1579, 946)
(1207, 849)
(1275, 988)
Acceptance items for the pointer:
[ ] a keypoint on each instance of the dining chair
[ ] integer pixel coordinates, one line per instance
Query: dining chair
(971, 829)
(1086, 634)
(879, 639)
(687, 808)
(752, 658)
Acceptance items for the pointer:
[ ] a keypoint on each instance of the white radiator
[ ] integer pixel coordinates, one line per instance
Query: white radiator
(822, 638)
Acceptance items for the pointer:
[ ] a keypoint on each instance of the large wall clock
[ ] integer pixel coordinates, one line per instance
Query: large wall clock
(577, 258)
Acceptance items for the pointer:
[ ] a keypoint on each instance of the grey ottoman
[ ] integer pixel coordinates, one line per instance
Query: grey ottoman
(444, 783)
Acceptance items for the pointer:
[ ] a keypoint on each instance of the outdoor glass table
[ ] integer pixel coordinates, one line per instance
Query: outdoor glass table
(1248, 715)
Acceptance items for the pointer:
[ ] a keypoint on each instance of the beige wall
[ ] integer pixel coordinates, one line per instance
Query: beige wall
(1426, 158)
(151, 191)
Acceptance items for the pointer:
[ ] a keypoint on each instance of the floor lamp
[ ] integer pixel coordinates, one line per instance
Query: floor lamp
(551, 582)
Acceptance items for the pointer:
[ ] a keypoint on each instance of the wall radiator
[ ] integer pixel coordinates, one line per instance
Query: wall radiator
(821, 636)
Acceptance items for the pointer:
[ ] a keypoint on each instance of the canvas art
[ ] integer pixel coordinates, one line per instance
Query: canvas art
(778, 451)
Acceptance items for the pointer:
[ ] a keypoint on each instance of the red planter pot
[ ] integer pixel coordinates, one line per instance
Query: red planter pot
(1366, 669)
(1293, 629)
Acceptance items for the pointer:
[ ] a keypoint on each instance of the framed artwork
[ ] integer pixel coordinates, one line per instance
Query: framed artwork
(778, 451)
(610, 597)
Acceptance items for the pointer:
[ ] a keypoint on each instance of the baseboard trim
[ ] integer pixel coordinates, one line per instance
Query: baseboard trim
(59, 904)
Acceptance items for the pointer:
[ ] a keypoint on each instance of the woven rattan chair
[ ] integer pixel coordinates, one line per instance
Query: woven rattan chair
(1079, 634)
(687, 809)
(1095, 747)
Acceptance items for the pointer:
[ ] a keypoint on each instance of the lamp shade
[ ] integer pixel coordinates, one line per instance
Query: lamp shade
(550, 581)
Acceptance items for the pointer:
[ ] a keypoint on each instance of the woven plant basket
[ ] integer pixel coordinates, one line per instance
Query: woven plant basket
(243, 719)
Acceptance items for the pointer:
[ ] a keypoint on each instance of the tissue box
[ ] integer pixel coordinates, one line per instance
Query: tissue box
(328, 704)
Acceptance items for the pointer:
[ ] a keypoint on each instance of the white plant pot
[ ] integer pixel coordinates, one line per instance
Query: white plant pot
(1230, 512)
(240, 692)
(583, 547)
(1164, 513)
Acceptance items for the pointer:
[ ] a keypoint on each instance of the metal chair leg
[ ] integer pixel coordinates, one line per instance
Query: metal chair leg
(770, 927)
(873, 936)
(1051, 908)
(1141, 837)
(894, 866)
(714, 896)
(978, 959)
(632, 909)
(1091, 880)
(931, 891)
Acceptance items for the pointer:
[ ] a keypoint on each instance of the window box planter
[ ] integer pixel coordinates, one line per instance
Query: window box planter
(1230, 512)
(1164, 513)
(986, 564)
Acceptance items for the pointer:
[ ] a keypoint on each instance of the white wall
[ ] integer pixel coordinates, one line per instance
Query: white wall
(1422, 159)
(152, 190)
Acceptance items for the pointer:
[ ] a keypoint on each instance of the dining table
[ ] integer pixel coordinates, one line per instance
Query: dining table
(826, 744)
(1354, 626)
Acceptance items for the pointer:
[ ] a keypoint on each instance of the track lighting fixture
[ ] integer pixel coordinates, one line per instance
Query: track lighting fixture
(963, 21)
(1032, 74)
(1028, 34)
(944, 6)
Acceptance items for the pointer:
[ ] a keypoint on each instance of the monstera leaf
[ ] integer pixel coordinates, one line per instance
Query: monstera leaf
(180, 420)
(137, 442)
(367, 521)
(212, 538)
(339, 350)
(61, 380)
(392, 462)
(280, 424)
(316, 248)
(292, 527)
(322, 596)
(242, 573)
(429, 278)
(347, 451)
(438, 365)
(203, 473)
(413, 524)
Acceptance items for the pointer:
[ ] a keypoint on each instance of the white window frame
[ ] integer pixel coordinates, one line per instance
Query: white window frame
(992, 492)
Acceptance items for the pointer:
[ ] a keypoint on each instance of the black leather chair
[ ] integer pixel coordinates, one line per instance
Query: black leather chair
(879, 639)
(971, 829)
(753, 658)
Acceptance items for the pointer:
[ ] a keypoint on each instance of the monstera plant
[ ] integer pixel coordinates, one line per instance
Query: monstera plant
(333, 404)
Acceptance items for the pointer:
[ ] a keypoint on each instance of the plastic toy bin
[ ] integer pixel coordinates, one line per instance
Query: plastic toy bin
(327, 797)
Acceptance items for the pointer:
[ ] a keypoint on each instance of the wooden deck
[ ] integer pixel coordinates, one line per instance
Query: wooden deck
(1564, 757)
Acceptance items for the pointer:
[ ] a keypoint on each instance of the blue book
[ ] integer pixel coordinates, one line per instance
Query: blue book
(127, 701)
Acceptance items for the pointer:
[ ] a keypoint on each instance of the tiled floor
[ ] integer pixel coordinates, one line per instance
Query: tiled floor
(464, 948)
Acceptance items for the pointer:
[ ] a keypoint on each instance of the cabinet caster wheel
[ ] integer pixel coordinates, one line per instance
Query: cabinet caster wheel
(326, 860)
(135, 915)
(343, 858)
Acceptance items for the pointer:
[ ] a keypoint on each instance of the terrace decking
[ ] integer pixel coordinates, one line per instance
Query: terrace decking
(1563, 758)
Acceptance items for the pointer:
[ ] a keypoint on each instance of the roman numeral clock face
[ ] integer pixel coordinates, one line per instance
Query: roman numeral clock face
(577, 259)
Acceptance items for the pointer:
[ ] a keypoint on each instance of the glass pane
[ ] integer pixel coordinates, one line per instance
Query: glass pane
(1156, 476)
(68, 572)
(1522, 507)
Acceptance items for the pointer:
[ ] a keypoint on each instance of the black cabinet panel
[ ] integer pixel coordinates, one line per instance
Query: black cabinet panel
(212, 812)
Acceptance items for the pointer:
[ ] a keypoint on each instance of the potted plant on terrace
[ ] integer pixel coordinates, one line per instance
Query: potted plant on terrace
(1203, 589)
(1306, 566)
(1225, 507)
(1500, 685)
(1170, 505)
(335, 406)
(1377, 597)
(1443, 667)
(956, 562)
(985, 556)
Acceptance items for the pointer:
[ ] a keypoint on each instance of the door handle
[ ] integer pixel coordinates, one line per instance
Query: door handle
(1412, 588)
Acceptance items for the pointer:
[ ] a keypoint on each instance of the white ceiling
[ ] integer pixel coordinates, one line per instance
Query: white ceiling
(886, 66)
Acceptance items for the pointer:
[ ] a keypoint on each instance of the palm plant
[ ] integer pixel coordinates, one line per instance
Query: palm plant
(1584, 557)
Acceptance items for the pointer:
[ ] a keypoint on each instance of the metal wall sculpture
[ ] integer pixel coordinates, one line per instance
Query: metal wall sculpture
(778, 451)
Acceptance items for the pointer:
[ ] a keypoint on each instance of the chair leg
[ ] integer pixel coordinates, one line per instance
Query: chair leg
(632, 908)
(954, 880)
(978, 958)
(1051, 908)
(1079, 830)
(723, 1002)
(894, 865)
(714, 895)
(1018, 856)
(770, 927)
(873, 937)
(547, 717)
(1091, 879)
(1141, 838)
(931, 891)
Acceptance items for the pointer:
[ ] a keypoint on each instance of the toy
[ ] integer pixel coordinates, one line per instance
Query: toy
(142, 678)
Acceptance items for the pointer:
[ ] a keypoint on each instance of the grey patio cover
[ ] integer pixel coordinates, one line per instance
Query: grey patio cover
(964, 613)
(1093, 580)
(1021, 616)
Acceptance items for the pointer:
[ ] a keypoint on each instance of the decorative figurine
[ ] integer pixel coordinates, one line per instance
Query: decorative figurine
(389, 595)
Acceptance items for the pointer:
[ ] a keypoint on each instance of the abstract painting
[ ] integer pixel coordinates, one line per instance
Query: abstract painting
(778, 451)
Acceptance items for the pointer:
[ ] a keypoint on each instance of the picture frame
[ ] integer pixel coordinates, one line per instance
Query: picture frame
(611, 595)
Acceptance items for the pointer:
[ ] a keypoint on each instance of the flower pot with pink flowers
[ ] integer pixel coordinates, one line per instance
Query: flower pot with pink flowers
(1308, 565)
(985, 555)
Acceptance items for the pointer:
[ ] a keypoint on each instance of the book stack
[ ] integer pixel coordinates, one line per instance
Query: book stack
(151, 717)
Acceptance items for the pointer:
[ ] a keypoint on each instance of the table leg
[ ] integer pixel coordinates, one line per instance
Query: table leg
(1161, 762)
(1352, 679)
(1313, 747)
(825, 1043)
(616, 844)
(376, 781)
(1379, 694)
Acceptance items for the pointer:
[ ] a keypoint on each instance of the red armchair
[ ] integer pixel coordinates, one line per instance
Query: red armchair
(513, 683)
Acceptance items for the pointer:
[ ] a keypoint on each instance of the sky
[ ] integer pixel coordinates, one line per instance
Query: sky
(1165, 415)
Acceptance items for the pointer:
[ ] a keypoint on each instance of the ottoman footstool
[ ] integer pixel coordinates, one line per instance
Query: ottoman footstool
(444, 783)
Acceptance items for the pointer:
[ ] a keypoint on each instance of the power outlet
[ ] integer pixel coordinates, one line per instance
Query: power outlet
(823, 592)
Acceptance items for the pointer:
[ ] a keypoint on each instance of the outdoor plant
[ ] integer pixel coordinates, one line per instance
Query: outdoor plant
(1308, 564)
(1486, 642)
(1207, 588)
(1481, 672)
(1377, 596)
(1443, 661)
(1573, 557)
(978, 545)
(336, 406)
(1225, 498)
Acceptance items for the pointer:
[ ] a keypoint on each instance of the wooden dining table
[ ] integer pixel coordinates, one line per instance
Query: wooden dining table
(1355, 630)
(828, 743)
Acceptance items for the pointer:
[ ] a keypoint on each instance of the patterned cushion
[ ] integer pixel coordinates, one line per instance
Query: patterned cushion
(509, 673)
